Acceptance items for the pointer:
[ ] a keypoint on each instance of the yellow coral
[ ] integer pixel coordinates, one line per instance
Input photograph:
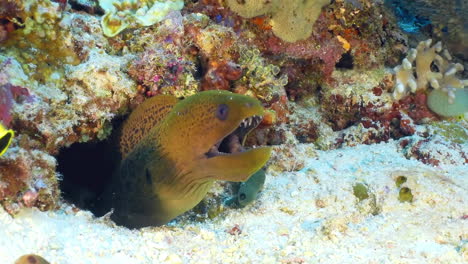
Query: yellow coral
(290, 20)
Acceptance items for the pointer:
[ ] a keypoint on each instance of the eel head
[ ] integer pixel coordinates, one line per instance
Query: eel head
(210, 129)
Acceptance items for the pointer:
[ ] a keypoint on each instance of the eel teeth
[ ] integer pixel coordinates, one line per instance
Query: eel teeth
(251, 121)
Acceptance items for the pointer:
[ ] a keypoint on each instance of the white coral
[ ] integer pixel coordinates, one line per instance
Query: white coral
(411, 78)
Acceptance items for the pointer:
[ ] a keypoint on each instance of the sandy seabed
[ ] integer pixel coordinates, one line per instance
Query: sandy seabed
(306, 216)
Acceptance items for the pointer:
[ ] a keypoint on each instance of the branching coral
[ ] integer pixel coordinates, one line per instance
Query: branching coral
(121, 14)
(290, 20)
(433, 68)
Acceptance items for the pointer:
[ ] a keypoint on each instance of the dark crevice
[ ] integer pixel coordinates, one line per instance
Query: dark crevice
(346, 62)
(86, 170)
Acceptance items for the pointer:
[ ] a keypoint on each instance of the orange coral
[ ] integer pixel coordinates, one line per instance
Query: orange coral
(219, 74)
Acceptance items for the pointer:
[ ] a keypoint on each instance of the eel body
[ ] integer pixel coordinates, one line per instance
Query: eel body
(172, 152)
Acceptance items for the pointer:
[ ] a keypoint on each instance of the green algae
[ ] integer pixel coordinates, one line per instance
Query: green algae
(400, 180)
(405, 195)
(452, 131)
(360, 191)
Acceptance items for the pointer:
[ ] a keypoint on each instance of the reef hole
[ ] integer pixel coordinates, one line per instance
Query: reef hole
(86, 170)
(346, 62)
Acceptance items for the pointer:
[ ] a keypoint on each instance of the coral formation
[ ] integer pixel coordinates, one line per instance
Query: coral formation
(161, 71)
(443, 79)
(219, 75)
(27, 179)
(291, 21)
(260, 79)
(52, 101)
(40, 39)
(121, 14)
(450, 104)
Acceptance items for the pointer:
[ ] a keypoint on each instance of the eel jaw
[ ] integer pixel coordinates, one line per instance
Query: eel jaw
(233, 142)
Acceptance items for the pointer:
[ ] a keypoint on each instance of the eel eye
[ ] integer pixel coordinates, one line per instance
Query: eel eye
(242, 196)
(222, 112)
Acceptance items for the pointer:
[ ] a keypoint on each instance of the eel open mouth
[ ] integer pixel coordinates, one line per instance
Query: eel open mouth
(233, 143)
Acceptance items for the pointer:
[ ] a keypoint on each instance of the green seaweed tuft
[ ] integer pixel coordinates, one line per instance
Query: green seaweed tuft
(400, 180)
(405, 195)
(360, 191)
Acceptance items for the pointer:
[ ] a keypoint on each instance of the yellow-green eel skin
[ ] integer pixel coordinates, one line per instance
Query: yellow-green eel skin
(164, 171)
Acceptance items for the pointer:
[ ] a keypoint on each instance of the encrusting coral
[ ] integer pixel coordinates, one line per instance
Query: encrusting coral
(442, 79)
(121, 14)
(39, 38)
(290, 20)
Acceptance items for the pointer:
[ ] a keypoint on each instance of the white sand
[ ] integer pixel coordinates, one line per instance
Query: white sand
(286, 224)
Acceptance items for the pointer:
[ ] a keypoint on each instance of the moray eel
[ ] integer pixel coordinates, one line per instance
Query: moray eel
(172, 152)
(249, 190)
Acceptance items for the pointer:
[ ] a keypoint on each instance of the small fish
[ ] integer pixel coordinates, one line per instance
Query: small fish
(249, 190)
(172, 152)
(31, 259)
(6, 135)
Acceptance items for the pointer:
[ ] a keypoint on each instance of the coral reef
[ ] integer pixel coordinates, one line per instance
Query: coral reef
(51, 100)
(321, 78)
(260, 78)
